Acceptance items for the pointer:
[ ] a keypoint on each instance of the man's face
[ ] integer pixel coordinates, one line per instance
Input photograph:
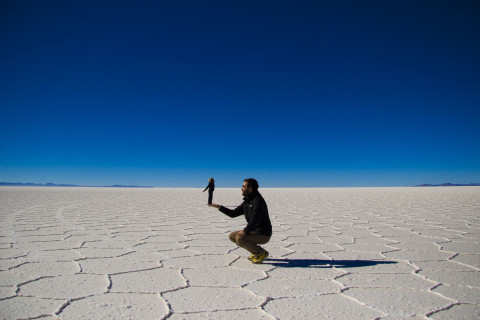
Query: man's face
(246, 189)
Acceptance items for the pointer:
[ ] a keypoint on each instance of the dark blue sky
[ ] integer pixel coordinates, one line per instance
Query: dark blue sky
(294, 93)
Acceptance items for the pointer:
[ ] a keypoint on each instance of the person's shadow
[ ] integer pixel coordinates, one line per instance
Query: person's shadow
(317, 263)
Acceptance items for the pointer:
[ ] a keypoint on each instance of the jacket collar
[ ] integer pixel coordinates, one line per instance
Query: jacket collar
(251, 196)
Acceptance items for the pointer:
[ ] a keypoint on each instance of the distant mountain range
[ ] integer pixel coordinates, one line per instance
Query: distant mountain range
(18, 184)
(450, 185)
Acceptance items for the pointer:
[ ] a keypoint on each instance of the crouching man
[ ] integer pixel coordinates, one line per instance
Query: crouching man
(258, 229)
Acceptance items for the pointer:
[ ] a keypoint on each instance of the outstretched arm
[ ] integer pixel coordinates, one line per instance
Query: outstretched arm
(238, 211)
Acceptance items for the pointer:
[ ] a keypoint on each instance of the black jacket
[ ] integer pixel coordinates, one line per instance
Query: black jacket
(210, 186)
(255, 210)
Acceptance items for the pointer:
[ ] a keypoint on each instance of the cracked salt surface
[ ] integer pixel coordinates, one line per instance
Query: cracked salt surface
(373, 253)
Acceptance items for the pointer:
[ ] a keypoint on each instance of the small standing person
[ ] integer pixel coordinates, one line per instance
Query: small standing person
(210, 188)
(258, 229)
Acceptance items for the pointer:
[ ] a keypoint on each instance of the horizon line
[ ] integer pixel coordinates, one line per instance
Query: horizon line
(62, 185)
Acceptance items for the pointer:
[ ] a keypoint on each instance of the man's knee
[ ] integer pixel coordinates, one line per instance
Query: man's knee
(240, 238)
(232, 236)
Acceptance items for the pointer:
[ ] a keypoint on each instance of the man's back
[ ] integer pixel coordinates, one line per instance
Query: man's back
(256, 213)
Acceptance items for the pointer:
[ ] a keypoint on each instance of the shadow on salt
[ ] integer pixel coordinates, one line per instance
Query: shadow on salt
(317, 263)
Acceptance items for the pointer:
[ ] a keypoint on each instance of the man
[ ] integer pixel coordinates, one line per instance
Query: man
(258, 229)
(210, 188)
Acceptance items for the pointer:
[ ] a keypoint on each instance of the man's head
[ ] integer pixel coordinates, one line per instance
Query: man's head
(249, 185)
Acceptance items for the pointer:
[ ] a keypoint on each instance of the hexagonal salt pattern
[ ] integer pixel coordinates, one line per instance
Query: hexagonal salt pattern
(330, 306)
(65, 287)
(198, 299)
(117, 306)
(373, 253)
(18, 307)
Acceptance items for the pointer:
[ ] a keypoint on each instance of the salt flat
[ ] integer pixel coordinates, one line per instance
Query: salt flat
(352, 253)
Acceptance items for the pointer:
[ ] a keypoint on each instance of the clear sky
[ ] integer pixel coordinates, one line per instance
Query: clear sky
(293, 93)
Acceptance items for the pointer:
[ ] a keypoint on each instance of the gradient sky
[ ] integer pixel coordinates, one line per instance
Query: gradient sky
(293, 93)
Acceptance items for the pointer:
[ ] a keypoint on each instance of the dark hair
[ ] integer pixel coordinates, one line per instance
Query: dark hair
(252, 183)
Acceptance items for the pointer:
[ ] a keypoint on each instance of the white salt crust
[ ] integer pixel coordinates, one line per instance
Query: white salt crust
(362, 253)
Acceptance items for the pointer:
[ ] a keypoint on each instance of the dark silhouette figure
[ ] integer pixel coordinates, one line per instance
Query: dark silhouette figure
(210, 188)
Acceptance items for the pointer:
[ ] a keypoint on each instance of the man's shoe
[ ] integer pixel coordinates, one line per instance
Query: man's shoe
(260, 258)
(251, 257)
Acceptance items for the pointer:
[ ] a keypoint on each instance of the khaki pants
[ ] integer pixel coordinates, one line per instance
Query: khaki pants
(250, 241)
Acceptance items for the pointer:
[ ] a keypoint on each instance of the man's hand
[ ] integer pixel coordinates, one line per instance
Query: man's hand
(214, 205)
(241, 232)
